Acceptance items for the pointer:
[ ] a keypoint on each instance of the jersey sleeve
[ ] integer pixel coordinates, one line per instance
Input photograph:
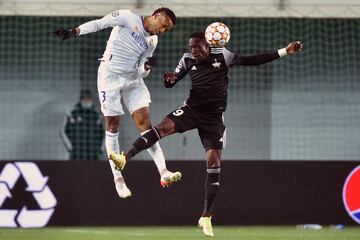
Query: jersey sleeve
(117, 18)
(234, 59)
(181, 69)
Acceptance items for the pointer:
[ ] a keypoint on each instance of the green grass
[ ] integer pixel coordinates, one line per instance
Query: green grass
(178, 233)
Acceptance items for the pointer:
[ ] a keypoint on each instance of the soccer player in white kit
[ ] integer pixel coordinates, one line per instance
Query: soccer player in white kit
(126, 61)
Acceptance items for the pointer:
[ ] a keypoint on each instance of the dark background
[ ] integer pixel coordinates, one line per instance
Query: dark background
(252, 193)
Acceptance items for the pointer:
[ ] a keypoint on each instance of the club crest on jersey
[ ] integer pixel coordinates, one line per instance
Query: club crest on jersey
(216, 64)
(115, 14)
(138, 39)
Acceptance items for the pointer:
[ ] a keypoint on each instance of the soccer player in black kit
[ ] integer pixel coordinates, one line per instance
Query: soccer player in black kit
(208, 69)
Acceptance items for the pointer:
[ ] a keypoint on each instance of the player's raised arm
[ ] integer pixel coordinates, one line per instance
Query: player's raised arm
(258, 59)
(117, 18)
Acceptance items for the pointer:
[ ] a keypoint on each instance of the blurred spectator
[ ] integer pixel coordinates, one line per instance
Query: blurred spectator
(83, 131)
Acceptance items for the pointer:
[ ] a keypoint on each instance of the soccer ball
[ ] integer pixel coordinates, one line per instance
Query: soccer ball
(217, 34)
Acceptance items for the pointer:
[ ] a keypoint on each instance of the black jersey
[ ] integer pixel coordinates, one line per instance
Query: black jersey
(210, 77)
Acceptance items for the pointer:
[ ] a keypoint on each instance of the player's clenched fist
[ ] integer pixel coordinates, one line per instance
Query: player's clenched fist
(294, 47)
(150, 62)
(66, 33)
(169, 79)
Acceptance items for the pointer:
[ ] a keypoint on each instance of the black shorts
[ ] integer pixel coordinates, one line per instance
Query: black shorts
(210, 126)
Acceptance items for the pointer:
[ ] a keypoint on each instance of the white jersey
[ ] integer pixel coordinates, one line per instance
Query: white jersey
(129, 43)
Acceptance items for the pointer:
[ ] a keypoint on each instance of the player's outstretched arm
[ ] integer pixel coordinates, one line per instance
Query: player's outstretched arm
(66, 33)
(263, 58)
(117, 18)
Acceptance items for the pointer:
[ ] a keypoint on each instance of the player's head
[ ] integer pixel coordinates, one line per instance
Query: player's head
(162, 20)
(198, 46)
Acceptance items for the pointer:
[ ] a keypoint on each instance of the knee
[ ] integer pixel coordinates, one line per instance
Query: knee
(141, 118)
(166, 127)
(143, 122)
(162, 129)
(213, 159)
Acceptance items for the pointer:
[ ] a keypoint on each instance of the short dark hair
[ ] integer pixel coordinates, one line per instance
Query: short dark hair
(168, 12)
(200, 35)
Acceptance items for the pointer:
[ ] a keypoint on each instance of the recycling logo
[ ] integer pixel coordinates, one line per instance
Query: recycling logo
(37, 185)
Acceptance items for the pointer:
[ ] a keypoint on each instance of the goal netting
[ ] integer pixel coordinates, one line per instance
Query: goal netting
(303, 107)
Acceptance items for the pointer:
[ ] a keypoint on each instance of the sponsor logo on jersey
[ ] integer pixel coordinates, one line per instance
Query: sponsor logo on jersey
(351, 194)
(139, 40)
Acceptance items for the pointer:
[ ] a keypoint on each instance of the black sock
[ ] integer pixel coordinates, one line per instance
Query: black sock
(143, 142)
(212, 185)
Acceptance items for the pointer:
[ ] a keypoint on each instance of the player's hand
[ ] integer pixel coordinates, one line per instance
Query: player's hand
(150, 62)
(169, 79)
(66, 33)
(294, 47)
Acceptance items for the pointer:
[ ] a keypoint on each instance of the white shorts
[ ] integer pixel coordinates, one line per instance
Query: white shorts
(113, 86)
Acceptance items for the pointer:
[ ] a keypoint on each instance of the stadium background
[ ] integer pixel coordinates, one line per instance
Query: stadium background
(304, 107)
(302, 110)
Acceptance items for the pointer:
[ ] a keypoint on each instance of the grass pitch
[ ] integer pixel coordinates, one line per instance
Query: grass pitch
(178, 233)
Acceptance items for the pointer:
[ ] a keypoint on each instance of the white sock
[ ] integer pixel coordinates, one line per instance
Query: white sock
(112, 145)
(157, 155)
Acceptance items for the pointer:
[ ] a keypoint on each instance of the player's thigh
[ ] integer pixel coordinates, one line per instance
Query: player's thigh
(212, 136)
(136, 96)
(183, 118)
(110, 100)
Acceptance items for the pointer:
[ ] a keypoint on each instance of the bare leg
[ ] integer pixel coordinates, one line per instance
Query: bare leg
(141, 119)
(165, 128)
